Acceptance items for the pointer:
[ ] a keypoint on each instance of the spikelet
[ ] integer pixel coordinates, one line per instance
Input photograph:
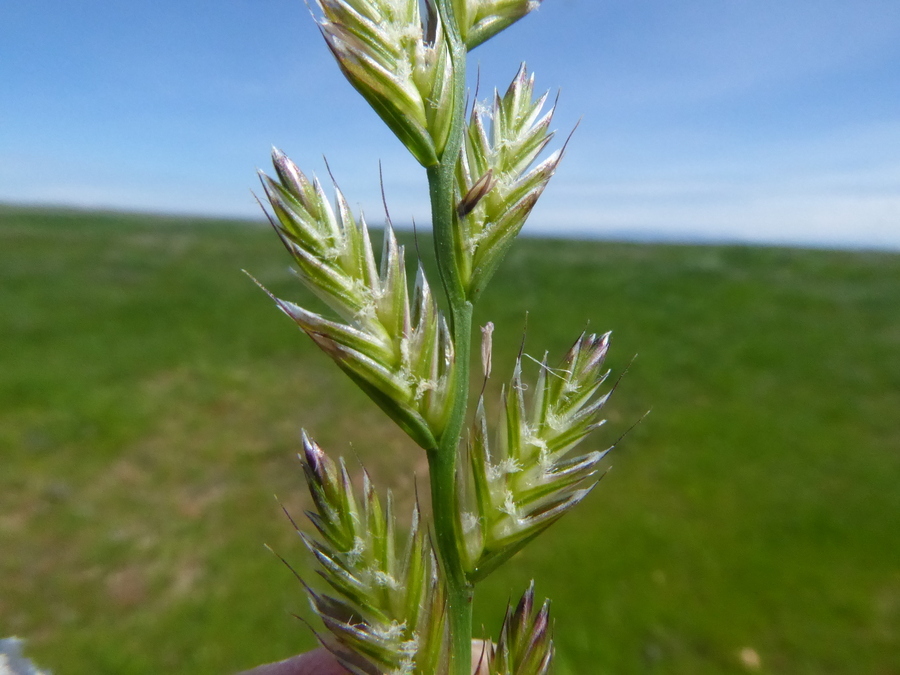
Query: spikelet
(399, 353)
(525, 646)
(480, 20)
(495, 189)
(399, 64)
(528, 481)
(387, 611)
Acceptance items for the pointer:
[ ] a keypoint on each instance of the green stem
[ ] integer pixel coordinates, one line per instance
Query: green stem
(442, 460)
(442, 464)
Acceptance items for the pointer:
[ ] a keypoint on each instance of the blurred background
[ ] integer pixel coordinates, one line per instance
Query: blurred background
(734, 185)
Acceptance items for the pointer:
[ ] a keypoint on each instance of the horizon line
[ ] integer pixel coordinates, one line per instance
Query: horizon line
(621, 234)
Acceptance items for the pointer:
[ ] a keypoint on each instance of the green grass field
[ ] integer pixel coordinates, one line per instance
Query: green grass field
(151, 399)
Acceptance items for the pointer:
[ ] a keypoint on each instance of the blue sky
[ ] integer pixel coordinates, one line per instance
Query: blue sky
(737, 120)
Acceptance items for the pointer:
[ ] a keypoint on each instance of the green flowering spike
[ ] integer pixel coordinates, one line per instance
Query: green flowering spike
(525, 646)
(399, 65)
(391, 608)
(397, 350)
(529, 480)
(480, 20)
(388, 611)
(333, 253)
(495, 188)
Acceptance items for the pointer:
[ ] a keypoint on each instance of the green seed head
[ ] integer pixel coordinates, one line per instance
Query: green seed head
(386, 608)
(398, 351)
(525, 646)
(399, 64)
(529, 480)
(496, 185)
(480, 20)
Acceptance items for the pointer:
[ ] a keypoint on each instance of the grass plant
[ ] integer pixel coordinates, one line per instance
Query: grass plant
(406, 609)
(148, 411)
